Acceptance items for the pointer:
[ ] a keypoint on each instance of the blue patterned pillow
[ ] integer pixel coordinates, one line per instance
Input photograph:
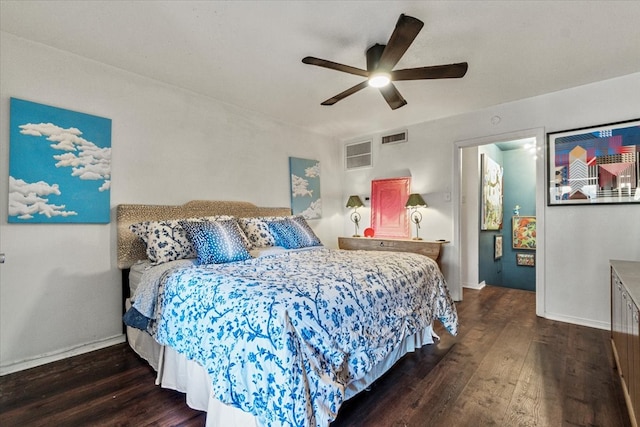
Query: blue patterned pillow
(216, 242)
(257, 231)
(283, 234)
(166, 240)
(293, 233)
(304, 232)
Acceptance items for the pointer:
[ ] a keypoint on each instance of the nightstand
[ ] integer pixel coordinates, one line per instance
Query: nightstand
(423, 247)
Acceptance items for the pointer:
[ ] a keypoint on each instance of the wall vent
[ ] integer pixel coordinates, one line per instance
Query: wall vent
(395, 138)
(357, 155)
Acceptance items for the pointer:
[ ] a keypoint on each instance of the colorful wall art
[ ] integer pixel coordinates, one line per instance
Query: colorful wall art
(492, 175)
(527, 260)
(596, 165)
(524, 232)
(497, 246)
(59, 165)
(389, 216)
(305, 187)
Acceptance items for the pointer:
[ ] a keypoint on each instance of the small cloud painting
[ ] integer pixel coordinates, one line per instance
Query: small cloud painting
(305, 187)
(59, 165)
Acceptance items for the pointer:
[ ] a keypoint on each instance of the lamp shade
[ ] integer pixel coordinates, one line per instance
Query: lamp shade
(354, 202)
(415, 201)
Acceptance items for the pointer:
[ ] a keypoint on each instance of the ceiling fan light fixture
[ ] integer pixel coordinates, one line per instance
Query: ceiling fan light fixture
(379, 79)
(381, 60)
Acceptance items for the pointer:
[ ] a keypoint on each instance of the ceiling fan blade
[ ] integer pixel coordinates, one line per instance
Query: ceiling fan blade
(407, 29)
(346, 93)
(450, 71)
(392, 96)
(335, 66)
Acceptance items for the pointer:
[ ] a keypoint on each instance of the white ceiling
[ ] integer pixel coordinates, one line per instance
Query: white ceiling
(248, 53)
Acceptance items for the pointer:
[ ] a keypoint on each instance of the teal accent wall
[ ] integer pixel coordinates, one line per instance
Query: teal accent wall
(519, 188)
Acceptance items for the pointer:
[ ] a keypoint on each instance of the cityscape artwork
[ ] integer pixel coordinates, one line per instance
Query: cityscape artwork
(596, 165)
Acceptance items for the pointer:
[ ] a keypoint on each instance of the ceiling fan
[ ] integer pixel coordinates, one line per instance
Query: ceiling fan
(380, 62)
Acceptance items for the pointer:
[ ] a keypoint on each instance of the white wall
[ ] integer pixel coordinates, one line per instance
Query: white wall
(580, 240)
(429, 166)
(469, 217)
(60, 289)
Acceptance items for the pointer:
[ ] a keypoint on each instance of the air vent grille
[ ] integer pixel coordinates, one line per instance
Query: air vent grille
(358, 155)
(395, 138)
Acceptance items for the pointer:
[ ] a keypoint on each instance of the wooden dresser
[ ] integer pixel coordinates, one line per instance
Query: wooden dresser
(424, 247)
(625, 330)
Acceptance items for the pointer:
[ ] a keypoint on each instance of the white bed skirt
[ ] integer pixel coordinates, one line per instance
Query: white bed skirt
(175, 372)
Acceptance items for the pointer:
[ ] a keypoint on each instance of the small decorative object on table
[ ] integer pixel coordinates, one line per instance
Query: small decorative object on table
(516, 210)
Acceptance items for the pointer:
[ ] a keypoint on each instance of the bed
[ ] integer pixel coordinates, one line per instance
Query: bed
(281, 337)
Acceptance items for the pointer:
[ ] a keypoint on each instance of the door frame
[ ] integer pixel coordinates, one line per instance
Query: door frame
(539, 135)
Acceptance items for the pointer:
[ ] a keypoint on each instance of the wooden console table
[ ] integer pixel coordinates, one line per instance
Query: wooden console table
(424, 247)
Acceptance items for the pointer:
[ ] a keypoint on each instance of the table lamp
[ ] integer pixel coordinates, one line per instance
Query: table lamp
(355, 202)
(416, 201)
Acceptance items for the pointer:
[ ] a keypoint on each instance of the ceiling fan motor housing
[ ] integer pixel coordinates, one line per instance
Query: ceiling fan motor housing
(373, 57)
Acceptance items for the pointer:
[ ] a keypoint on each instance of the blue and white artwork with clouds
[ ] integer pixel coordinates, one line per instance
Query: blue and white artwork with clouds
(59, 165)
(305, 187)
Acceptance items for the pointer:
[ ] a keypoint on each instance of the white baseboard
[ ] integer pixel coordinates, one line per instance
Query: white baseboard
(61, 354)
(477, 286)
(578, 321)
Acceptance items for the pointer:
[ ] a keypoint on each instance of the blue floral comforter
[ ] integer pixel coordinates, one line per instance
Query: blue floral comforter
(281, 336)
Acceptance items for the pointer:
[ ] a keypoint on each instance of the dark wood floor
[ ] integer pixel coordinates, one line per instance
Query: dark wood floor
(506, 367)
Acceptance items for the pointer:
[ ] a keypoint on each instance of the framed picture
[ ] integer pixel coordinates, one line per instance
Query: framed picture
(388, 212)
(595, 165)
(497, 247)
(305, 187)
(491, 197)
(528, 260)
(524, 232)
(59, 165)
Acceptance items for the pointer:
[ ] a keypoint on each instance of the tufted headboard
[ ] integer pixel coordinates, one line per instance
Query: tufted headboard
(131, 248)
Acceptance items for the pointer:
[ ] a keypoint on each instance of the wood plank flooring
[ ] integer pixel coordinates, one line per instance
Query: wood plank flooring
(506, 367)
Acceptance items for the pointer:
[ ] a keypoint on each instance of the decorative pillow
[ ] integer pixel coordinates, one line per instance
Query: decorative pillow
(257, 231)
(167, 240)
(293, 233)
(304, 232)
(283, 234)
(216, 242)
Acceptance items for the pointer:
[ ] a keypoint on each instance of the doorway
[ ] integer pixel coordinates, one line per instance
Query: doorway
(467, 236)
